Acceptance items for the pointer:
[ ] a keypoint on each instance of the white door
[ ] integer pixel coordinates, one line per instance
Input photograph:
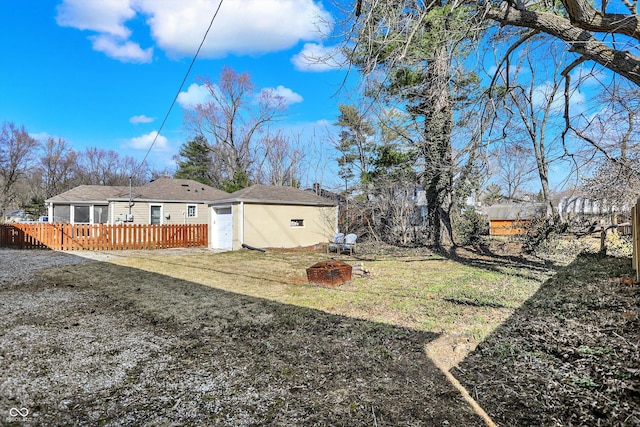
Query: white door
(222, 228)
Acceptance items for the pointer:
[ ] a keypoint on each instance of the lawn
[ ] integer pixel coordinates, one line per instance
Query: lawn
(241, 338)
(424, 291)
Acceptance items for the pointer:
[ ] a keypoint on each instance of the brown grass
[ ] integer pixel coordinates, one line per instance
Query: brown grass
(241, 338)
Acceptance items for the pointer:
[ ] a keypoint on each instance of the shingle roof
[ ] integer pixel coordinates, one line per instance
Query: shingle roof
(163, 189)
(178, 190)
(516, 211)
(89, 193)
(276, 195)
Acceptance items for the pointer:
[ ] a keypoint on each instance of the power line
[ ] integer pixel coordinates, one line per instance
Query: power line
(155, 138)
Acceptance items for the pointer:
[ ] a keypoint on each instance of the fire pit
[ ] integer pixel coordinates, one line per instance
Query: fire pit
(329, 273)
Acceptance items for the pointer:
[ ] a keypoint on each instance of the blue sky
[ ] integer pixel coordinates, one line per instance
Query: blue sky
(103, 73)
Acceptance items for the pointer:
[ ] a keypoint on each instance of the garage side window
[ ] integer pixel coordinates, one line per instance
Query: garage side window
(297, 222)
(192, 211)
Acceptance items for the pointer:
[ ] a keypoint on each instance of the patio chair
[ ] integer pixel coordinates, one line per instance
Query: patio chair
(336, 242)
(349, 244)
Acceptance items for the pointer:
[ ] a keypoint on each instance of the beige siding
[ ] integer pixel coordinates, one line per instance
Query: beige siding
(141, 212)
(270, 225)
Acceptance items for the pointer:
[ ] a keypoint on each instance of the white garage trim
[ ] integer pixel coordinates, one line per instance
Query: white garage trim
(222, 227)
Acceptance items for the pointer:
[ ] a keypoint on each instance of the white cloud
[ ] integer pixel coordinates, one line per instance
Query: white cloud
(195, 94)
(317, 57)
(289, 96)
(141, 119)
(241, 27)
(541, 96)
(144, 142)
(125, 51)
(40, 136)
(106, 17)
(588, 77)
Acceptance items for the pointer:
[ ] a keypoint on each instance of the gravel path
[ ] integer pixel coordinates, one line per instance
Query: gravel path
(17, 266)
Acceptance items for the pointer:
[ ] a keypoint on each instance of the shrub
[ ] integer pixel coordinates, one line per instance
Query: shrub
(540, 230)
(470, 227)
(618, 245)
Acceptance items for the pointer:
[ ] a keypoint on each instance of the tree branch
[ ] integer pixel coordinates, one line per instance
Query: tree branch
(580, 40)
(583, 15)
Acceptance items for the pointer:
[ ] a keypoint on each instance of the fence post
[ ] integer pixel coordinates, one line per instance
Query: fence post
(635, 235)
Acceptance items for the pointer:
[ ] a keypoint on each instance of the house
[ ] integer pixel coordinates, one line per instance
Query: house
(162, 201)
(17, 215)
(512, 219)
(268, 216)
(583, 209)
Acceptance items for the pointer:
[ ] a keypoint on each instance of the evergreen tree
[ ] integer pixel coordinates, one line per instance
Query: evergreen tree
(415, 46)
(195, 161)
(239, 181)
(356, 144)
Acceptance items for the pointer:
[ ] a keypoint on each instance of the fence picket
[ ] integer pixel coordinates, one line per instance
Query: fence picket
(68, 237)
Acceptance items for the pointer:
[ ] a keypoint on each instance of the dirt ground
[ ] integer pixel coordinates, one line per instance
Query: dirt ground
(569, 356)
(93, 343)
(124, 351)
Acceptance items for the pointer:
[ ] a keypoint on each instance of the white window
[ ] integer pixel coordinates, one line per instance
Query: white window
(192, 211)
(156, 215)
(297, 222)
(100, 214)
(81, 214)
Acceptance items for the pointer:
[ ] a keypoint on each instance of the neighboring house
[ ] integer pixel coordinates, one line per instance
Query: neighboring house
(581, 208)
(268, 216)
(513, 219)
(162, 201)
(15, 216)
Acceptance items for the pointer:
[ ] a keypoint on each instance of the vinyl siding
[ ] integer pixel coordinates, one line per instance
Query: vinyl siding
(141, 212)
(270, 225)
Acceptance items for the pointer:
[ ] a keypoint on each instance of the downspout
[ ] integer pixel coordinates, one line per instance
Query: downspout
(130, 195)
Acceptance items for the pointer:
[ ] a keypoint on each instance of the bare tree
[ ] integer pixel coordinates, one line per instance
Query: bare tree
(233, 123)
(529, 95)
(613, 133)
(57, 167)
(16, 154)
(514, 167)
(605, 33)
(281, 161)
(614, 185)
(106, 167)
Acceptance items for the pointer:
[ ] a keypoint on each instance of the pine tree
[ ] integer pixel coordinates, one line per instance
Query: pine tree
(196, 161)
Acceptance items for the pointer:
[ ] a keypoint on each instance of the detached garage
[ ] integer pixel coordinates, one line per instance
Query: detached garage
(265, 216)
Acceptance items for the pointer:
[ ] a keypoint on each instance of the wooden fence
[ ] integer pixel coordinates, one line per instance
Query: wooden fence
(635, 233)
(60, 236)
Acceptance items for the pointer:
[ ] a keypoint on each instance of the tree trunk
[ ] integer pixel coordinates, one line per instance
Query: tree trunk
(436, 147)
